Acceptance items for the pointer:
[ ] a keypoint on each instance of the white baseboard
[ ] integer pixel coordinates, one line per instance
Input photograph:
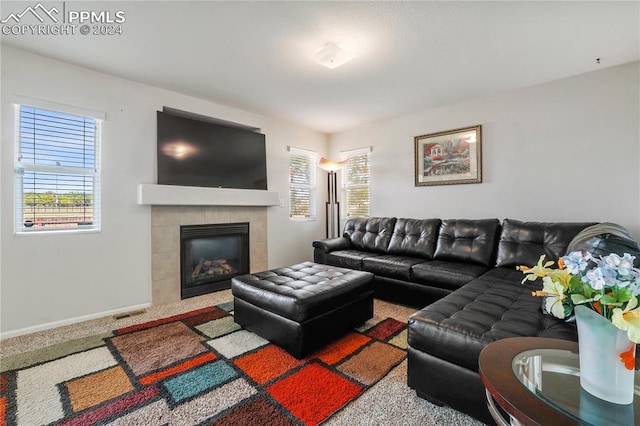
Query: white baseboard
(54, 324)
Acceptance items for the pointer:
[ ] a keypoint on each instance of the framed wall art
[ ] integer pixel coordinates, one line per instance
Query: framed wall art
(449, 157)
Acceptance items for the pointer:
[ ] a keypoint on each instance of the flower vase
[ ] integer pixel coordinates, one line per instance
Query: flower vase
(602, 371)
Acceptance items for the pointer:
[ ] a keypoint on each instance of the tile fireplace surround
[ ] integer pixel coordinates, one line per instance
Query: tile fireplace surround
(165, 241)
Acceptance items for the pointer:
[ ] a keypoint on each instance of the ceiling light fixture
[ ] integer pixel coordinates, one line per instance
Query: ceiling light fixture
(332, 55)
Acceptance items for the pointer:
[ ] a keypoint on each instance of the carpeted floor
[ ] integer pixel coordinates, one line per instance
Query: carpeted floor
(389, 401)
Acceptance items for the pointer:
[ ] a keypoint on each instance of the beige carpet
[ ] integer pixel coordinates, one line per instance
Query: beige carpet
(389, 402)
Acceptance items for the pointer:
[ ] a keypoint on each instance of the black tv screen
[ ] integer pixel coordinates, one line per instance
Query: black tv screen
(193, 152)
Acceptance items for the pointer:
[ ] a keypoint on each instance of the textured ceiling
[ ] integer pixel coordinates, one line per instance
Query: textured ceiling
(412, 56)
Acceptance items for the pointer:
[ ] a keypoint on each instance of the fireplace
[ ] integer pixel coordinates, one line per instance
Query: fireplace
(210, 255)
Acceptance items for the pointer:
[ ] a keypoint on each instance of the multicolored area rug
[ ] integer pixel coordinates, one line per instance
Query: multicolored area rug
(197, 368)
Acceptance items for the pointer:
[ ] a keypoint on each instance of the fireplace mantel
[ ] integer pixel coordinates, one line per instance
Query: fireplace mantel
(173, 195)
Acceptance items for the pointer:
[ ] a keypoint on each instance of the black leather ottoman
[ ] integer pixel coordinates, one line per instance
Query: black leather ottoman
(302, 307)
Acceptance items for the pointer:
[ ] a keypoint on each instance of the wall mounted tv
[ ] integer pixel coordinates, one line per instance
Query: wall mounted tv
(196, 152)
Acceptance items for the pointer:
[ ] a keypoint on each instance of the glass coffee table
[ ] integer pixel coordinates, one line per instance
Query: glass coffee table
(536, 381)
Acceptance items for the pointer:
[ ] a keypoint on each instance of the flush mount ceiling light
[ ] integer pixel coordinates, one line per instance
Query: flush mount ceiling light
(332, 55)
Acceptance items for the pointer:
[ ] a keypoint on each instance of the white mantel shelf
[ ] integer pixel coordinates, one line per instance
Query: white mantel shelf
(173, 195)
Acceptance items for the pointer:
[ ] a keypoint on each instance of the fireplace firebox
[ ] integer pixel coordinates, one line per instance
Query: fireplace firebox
(211, 255)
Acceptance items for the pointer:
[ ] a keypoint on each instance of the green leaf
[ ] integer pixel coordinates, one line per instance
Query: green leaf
(623, 294)
(568, 309)
(577, 286)
(609, 300)
(579, 299)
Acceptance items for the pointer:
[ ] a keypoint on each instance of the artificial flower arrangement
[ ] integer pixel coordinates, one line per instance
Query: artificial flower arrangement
(609, 285)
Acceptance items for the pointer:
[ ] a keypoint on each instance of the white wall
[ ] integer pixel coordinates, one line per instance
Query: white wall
(568, 150)
(51, 279)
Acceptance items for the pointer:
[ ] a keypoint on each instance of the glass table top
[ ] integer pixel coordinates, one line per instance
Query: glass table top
(553, 375)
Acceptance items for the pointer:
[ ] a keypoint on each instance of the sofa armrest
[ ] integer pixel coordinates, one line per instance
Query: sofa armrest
(605, 238)
(332, 244)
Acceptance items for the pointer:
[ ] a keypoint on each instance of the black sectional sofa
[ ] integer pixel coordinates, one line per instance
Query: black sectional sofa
(463, 271)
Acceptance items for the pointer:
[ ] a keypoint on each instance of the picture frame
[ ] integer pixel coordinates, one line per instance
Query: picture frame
(449, 157)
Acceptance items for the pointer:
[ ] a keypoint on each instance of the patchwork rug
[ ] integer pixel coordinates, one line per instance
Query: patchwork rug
(197, 368)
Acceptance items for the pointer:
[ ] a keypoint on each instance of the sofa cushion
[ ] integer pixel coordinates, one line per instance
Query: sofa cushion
(351, 259)
(522, 243)
(505, 275)
(391, 266)
(457, 327)
(445, 274)
(468, 241)
(371, 234)
(415, 237)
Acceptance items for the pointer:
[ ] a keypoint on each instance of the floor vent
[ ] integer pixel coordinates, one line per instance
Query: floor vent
(129, 314)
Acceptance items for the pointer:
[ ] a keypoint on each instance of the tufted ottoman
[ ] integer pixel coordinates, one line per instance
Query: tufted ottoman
(302, 307)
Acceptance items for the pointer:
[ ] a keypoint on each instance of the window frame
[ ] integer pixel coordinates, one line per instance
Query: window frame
(20, 167)
(346, 157)
(312, 185)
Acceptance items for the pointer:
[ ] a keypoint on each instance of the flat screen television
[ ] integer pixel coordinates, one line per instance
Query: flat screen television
(195, 152)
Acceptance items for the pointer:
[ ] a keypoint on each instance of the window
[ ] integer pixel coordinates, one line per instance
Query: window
(356, 179)
(56, 170)
(302, 184)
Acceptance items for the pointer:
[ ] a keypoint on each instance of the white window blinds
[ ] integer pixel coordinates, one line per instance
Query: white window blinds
(56, 171)
(302, 184)
(356, 183)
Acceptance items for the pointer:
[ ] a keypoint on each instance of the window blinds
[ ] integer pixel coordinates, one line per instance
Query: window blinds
(57, 170)
(356, 178)
(302, 184)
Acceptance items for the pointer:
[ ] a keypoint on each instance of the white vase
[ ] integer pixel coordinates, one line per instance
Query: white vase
(602, 373)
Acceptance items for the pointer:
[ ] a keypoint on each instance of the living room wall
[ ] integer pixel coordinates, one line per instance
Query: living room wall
(568, 150)
(49, 280)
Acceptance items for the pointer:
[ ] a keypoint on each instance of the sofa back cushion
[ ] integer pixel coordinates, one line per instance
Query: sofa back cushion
(522, 243)
(370, 233)
(415, 237)
(462, 240)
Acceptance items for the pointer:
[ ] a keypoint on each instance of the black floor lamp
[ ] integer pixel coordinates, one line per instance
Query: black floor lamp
(332, 204)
